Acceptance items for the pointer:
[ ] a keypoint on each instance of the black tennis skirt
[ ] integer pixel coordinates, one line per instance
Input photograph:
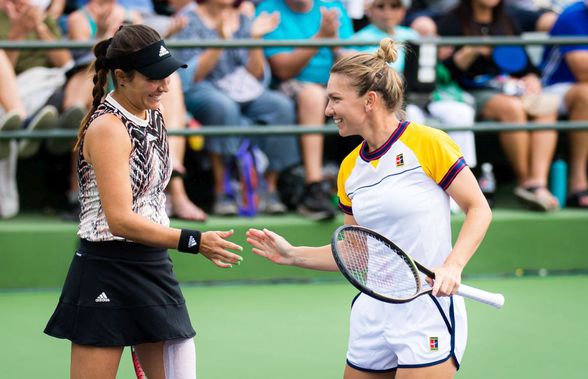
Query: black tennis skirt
(120, 294)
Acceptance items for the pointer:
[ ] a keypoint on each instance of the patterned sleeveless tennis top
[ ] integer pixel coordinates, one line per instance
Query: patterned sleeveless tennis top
(150, 171)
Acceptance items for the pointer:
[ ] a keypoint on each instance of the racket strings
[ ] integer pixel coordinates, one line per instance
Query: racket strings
(377, 265)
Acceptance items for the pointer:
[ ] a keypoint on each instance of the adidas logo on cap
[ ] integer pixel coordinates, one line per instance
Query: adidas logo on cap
(102, 298)
(163, 51)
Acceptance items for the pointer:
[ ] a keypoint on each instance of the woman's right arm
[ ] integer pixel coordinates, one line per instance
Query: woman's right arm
(107, 148)
(277, 249)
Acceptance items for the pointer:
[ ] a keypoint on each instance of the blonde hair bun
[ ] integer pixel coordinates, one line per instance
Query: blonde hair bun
(388, 50)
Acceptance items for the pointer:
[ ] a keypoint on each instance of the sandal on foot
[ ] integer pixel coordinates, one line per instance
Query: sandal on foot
(575, 199)
(535, 199)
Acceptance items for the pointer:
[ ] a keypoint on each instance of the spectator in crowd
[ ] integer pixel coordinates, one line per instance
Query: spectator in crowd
(12, 110)
(303, 73)
(515, 97)
(424, 14)
(566, 74)
(39, 72)
(13, 115)
(164, 24)
(225, 87)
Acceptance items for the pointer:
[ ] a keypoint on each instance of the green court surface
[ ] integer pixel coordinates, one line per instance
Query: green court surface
(289, 331)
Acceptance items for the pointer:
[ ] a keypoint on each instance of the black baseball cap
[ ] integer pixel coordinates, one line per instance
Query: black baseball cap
(154, 61)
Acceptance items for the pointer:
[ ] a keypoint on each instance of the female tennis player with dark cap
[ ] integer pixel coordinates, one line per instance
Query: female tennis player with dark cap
(120, 289)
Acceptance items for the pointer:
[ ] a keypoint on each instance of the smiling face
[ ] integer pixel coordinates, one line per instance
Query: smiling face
(141, 92)
(347, 109)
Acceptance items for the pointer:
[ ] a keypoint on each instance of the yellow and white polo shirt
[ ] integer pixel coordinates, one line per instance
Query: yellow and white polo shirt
(399, 189)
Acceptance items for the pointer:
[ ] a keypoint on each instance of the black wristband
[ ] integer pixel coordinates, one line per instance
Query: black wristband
(189, 241)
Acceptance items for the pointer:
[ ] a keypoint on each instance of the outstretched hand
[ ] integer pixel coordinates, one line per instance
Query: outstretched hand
(270, 245)
(214, 246)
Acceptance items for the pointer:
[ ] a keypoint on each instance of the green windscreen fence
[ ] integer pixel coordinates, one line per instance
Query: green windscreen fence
(35, 251)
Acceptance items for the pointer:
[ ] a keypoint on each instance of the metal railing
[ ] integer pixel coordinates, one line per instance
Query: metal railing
(256, 130)
(326, 42)
(480, 127)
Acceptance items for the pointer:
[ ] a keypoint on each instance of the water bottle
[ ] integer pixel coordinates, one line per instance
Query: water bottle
(487, 183)
(558, 180)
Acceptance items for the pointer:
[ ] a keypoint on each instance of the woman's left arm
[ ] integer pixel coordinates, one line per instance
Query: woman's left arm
(466, 192)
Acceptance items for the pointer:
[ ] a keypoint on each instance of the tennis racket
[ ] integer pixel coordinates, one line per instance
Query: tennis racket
(380, 269)
(137, 365)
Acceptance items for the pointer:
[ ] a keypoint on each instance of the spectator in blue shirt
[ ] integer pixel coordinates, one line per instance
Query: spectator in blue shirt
(565, 73)
(303, 73)
(226, 87)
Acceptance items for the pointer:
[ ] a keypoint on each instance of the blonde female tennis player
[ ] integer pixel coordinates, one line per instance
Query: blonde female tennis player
(398, 182)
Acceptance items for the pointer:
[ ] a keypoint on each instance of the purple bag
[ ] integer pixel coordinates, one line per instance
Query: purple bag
(243, 179)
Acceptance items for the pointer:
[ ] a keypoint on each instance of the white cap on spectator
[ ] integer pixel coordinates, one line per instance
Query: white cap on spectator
(43, 4)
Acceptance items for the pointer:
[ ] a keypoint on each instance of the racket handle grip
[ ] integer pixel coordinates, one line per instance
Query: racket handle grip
(494, 299)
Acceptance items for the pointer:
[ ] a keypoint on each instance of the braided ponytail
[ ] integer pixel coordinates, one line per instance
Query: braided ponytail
(100, 81)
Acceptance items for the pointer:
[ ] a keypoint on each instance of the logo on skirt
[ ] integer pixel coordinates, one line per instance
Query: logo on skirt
(102, 298)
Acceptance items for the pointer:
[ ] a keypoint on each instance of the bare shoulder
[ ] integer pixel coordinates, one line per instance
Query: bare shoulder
(106, 136)
(106, 126)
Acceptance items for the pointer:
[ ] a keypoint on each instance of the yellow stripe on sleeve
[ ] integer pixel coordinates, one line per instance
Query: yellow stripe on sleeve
(439, 156)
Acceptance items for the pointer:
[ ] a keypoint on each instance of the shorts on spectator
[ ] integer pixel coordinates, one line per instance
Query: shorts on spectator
(292, 87)
(560, 89)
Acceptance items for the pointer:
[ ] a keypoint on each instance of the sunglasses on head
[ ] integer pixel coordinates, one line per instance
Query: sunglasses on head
(395, 5)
